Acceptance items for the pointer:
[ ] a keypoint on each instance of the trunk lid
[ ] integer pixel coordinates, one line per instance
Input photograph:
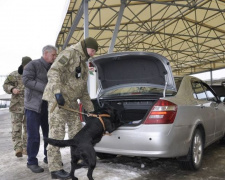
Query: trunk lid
(127, 69)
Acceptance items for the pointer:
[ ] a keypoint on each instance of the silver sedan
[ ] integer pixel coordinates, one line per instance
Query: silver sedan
(163, 116)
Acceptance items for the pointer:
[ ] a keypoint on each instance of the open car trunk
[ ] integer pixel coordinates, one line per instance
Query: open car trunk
(132, 112)
(131, 83)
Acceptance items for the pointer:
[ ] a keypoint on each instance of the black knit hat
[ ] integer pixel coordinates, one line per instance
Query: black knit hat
(91, 43)
(26, 60)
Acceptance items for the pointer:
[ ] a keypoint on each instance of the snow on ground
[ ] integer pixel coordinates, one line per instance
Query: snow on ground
(15, 168)
(120, 168)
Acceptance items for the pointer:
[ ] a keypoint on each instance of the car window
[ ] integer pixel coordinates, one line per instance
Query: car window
(125, 91)
(202, 91)
(209, 93)
(199, 92)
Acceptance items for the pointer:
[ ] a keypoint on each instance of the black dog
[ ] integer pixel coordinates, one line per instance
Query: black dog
(82, 145)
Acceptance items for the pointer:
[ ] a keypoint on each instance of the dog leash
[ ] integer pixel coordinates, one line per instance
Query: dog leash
(65, 107)
(99, 116)
(73, 110)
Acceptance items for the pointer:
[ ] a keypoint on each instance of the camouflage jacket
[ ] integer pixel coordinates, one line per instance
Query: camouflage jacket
(14, 80)
(61, 78)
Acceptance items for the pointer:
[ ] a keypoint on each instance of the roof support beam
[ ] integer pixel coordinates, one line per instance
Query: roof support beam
(190, 5)
(74, 25)
(113, 40)
(86, 19)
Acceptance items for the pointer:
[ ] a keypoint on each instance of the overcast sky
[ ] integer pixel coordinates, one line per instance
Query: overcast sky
(26, 27)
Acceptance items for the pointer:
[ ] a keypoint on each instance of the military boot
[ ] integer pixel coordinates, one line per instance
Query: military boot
(18, 153)
(61, 174)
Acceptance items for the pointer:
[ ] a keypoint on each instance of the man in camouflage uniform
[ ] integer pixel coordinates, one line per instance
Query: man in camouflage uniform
(13, 85)
(67, 82)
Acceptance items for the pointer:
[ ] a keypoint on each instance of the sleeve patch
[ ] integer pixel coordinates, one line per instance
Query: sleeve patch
(63, 60)
(10, 78)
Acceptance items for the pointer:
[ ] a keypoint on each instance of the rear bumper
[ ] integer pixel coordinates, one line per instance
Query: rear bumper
(155, 141)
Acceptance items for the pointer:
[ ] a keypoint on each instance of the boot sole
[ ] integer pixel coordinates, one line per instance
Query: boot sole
(56, 177)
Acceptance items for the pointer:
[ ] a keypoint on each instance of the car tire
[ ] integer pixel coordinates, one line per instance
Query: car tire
(105, 156)
(193, 160)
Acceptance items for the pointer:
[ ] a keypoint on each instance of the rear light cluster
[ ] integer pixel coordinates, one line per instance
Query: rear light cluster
(163, 112)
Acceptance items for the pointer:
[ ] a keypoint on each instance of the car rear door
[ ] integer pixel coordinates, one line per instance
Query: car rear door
(219, 109)
(207, 112)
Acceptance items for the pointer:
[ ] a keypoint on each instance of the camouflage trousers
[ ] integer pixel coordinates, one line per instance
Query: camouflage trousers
(58, 119)
(19, 131)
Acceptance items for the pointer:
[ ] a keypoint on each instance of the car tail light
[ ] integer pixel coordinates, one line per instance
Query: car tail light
(80, 110)
(163, 112)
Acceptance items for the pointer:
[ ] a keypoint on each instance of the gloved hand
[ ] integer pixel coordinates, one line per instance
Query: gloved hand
(59, 98)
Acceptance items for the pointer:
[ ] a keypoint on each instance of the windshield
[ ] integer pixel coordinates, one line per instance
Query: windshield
(137, 91)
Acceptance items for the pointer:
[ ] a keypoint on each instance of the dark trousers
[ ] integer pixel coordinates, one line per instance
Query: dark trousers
(34, 121)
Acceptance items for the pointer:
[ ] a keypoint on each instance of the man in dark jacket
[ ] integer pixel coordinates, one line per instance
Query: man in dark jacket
(36, 110)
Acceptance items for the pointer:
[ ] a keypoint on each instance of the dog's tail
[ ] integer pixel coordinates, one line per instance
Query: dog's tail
(60, 143)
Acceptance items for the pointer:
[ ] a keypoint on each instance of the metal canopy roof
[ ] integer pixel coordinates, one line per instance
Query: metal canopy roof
(190, 33)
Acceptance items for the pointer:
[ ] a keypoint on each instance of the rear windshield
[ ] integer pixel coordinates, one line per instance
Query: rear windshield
(178, 82)
(137, 91)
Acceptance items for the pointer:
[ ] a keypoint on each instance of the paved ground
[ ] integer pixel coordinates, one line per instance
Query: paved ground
(120, 168)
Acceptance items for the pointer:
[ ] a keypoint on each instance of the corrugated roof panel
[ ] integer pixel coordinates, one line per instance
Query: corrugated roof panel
(191, 34)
